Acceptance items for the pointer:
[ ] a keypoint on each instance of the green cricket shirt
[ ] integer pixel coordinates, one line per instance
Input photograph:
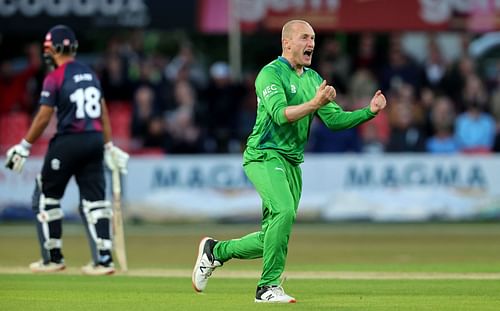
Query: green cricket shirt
(278, 86)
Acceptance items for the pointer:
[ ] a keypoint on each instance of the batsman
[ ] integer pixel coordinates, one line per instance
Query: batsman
(289, 96)
(83, 139)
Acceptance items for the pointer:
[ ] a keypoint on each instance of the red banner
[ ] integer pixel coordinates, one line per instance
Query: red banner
(352, 15)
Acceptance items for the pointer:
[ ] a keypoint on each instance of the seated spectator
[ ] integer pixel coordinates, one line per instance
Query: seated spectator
(455, 80)
(426, 104)
(399, 69)
(334, 64)
(474, 128)
(183, 133)
(362, 86)
(15, 94)
(366, 55)
(324, 140)
(223, 100)
(187, 60)
(147, 126)
(434, 67)
(405, 135)
(475, 131)
(155, 136)
(35, 81)
(114, 77)
(442, 117)
(374, 134)
(248, 111)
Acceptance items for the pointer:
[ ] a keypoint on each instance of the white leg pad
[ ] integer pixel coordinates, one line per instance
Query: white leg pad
(45, 216)
(103, 244)
(50, 215)
(52, 243)
(94, 211)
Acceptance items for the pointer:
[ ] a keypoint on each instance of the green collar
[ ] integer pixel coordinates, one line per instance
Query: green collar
(285, 61)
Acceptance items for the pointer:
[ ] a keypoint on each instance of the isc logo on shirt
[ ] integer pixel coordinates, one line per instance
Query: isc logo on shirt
(270, 89)
(293, 88)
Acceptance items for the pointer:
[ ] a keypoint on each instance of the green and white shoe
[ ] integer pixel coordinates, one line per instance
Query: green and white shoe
(273, 294)
(205, 264)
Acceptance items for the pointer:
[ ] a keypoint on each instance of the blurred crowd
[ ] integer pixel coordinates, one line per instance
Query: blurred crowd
(179, 104)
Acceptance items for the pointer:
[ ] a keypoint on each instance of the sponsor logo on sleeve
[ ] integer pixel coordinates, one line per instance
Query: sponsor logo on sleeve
(270, 90)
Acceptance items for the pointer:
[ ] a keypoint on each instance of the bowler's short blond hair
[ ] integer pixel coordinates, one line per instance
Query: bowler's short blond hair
(288, 28)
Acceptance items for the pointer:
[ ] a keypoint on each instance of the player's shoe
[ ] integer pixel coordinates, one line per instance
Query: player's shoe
(205, 264)
(40, 266)
(93, 269)
(272, 294)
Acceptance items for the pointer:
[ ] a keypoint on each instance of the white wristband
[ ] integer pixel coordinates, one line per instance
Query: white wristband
(108, 145)
(25, 144)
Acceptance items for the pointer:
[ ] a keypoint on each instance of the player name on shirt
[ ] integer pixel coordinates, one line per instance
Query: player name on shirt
(82, 77)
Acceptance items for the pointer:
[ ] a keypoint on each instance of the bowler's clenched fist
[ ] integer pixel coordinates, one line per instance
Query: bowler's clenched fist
(378, 102)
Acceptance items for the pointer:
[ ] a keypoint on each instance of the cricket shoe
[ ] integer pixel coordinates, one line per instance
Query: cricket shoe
(273, 294)
(205, 264)
(40, 266)
(93, 269)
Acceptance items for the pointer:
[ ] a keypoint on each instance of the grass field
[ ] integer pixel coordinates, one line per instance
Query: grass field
(330, 267)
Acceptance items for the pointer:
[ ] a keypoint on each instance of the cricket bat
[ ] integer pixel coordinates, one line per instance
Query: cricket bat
(118, 233)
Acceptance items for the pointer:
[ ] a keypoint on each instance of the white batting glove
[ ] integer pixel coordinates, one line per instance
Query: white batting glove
(115, 158)
(17, 155)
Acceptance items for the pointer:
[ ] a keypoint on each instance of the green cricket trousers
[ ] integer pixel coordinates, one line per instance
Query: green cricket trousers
(279, 184)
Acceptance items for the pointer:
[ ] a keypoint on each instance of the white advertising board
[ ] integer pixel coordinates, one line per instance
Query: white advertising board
(335, 187)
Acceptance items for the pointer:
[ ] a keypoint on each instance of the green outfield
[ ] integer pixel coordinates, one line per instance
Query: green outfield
(330, 267)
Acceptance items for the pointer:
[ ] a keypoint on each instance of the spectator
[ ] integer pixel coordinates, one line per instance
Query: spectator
(35, 82)
(442, 117)
(361, 86)
(147, 126)
(223, 101)
(399, 69)
(374, 133)
(405, 135)
(434, 68)
(248, 110)
(114, 77)
(426, 104)
(366, 57)
(183, 133)
(334, 64)
(323, 140)
(20, 89)
(455, 80)
(475, 128)
(186, 59)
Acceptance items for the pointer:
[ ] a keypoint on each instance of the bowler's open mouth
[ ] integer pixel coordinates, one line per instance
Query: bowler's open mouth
(308, 52)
